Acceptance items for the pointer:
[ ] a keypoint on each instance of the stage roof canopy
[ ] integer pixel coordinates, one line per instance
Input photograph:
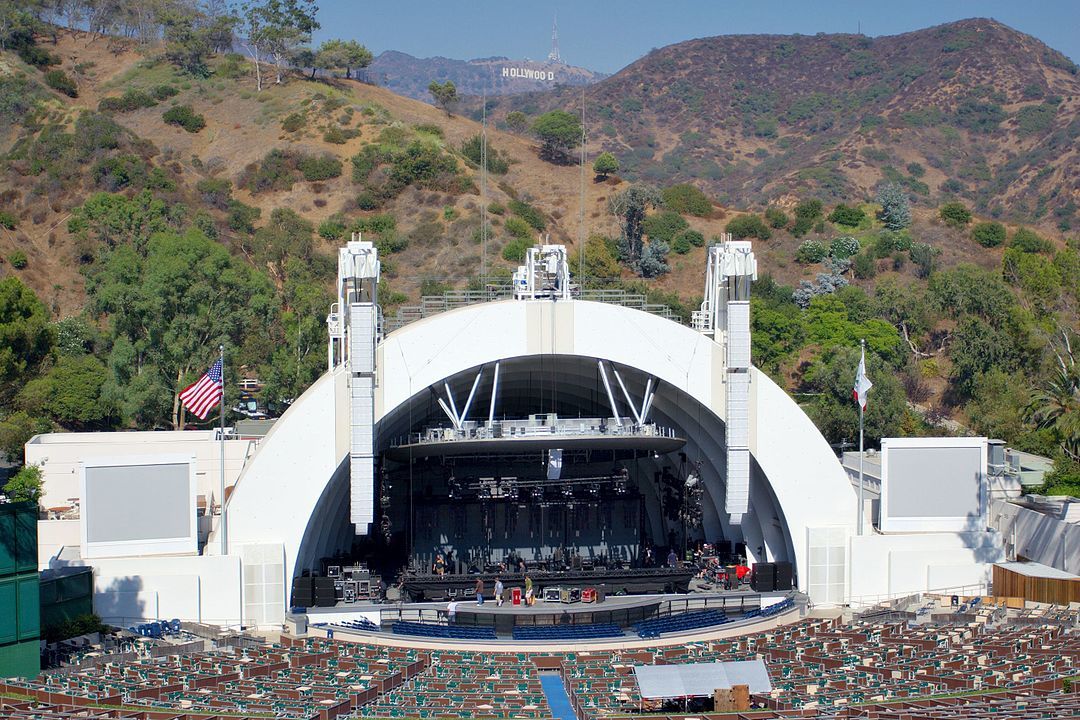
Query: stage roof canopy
(700, 679)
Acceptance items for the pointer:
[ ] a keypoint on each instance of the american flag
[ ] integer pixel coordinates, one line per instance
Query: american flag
(203, 395)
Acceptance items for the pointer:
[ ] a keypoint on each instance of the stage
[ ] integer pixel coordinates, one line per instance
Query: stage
(614, 583)
(623, 610)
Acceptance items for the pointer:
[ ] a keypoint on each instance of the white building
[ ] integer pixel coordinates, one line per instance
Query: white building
(326, 474)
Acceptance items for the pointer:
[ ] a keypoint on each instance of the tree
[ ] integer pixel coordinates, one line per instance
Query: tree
(444, 94)
(605, 164)
(559, 133)
(895, 206)
(1055, 404)
(829, 379)
(276, 29)
(338, 54)
(190, 36)
(25, 337)
(167, 309)
(517, 121)
(600, 264)
(70, 393)
(631, 207)
(25, 485)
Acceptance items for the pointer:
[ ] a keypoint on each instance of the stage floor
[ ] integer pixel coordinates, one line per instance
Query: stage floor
(732, 601)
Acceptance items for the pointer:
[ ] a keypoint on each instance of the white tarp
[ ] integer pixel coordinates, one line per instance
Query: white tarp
(700, 679)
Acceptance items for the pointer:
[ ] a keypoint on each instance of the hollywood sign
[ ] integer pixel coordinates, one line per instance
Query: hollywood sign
(527, 73)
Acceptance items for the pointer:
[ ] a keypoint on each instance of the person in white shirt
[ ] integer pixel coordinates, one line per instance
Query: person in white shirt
(451, 612)
(498, 592)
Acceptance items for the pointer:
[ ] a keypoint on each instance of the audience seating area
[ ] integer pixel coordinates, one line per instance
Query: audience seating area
(567, 632)
(682, 622)
(362, 624)
(771, 610)
(881, 670)
(450, 632)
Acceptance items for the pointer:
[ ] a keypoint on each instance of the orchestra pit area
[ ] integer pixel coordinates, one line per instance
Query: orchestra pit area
(980, 665)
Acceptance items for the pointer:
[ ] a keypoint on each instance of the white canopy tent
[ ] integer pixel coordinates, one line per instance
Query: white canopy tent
(657, 682)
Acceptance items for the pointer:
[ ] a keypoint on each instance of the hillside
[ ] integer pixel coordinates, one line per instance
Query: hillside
(410, 76)
(971, 110)
(148, 241)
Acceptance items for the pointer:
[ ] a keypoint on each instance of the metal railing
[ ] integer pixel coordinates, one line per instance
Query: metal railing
(534, 427)
(496, 291)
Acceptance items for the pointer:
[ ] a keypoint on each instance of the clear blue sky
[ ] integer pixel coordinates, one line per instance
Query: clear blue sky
(609, 35)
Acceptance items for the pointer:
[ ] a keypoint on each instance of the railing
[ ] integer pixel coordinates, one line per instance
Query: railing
(496, 291)
(534, 427)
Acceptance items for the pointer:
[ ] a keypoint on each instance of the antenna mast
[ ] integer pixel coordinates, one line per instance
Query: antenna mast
(483, 190)
(581, 199)
(553, 56)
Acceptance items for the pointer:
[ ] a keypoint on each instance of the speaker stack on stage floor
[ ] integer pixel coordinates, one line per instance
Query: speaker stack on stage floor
(764, 577)
(784, 578)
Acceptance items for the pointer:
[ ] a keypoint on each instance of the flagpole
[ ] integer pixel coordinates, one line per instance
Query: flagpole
(221, 438)
(862, 453)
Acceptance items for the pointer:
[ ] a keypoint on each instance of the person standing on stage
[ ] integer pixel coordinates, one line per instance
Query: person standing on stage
(528, 590)
(479, 591)
(498, 592)
(672, 559)
(440, 565)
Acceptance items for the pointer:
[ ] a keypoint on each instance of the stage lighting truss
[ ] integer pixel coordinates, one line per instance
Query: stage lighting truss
(540, 490)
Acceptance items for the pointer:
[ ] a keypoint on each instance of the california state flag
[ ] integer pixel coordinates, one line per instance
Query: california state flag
(862, 383)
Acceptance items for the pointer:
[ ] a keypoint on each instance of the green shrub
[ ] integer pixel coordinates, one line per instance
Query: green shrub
(801, 226)
(17, 259)
(693, 237)
(293, 122)
(232, 66)
(423, 165)
(430, 129)
(368, 200)
(332, 229)
(119, 172)
(687, 199)
(339, 136)
(275, 172)
(518, 228)
(954, 214)
(382, 224)
(1029, 241)
(664, 226)
(681, 245)
(847, 216)
(529, 214)
(863, 266)
(94, 131)
(776, 217)
(33, 54)
(184, 116)
(810, 209)
(844, 247)
(1035, 119)
(365, 162)
(514, 251)
(988, 234)
(242, 217)
(215, 192)
(890, 241)
(810, 252)
(496, 163)
(496, 208)
(746, 226)
(130, 101)
(164, 92)
(59, 81)
(319, 168)
(8, 221)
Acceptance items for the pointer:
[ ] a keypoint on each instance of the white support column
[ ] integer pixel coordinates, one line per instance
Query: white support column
(610, 395)
(472, 393)
(494, 394)
(629, 402)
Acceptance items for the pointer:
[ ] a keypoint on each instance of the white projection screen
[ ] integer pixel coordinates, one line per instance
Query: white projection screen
(138, 506)
(933, 484)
